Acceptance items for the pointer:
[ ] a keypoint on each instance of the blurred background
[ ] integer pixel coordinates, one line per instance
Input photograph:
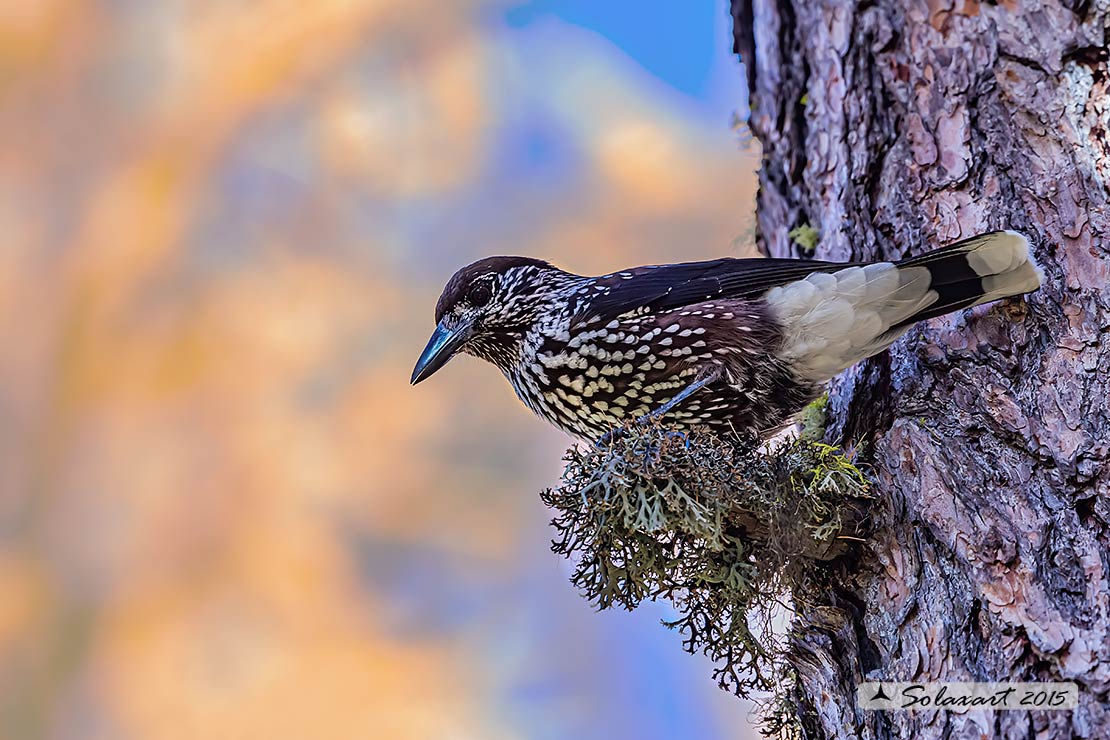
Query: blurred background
(223, 225)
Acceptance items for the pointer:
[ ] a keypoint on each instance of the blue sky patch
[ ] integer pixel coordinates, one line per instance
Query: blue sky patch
(674, 41)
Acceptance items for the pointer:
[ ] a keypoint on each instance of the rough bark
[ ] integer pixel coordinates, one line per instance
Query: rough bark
(893, 127)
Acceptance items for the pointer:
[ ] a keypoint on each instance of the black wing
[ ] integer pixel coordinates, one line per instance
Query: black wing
(664, 287)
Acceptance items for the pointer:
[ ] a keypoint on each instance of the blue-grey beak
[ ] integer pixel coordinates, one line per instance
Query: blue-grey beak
(441, 347)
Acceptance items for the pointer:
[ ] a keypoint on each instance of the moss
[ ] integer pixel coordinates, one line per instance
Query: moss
(812, 418)
(720, 529)
(806, 237)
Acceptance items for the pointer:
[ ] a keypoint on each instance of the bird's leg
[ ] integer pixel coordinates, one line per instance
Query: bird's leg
(705, 377)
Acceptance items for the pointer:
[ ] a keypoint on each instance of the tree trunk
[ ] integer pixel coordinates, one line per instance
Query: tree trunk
(893, 127)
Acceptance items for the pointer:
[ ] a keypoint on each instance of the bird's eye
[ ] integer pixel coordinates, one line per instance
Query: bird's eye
(479, 293)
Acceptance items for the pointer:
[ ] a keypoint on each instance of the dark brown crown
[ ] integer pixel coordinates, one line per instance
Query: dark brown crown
(459, 283)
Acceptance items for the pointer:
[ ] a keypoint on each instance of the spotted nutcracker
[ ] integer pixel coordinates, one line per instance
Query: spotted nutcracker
(735, 344)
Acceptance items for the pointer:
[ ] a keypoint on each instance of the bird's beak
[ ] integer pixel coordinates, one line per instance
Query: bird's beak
(441, 347)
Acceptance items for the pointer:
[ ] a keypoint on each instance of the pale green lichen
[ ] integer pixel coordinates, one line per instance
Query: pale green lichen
(805, 236)
(721, 530)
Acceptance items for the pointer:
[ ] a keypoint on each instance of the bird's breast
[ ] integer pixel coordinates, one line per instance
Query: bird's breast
(590, 381)
(587, 379)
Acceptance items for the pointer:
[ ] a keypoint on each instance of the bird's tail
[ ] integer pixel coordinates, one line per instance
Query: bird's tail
(833, 320)
(981, 269)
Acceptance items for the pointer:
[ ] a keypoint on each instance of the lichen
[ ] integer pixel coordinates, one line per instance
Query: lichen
(805, 236)
(781, 715)
(723, 530)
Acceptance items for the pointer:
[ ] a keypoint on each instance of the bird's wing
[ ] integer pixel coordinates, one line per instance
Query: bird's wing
(657, 288)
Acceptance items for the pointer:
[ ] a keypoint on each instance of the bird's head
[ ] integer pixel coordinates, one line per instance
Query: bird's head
(485, 310)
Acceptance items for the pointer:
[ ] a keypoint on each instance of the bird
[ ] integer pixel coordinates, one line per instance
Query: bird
(736, 345)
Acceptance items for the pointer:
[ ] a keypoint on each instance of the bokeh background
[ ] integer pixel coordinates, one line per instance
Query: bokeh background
(223, 225)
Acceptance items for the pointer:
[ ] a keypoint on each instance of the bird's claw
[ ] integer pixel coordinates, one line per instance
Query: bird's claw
(684, 436)
(609, 437)
(616, 433)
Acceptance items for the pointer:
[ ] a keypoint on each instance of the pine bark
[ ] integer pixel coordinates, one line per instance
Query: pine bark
(893, 127)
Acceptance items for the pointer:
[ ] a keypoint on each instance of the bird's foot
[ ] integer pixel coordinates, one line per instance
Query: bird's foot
(684, 436)
(705, 377)
(611, 436)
